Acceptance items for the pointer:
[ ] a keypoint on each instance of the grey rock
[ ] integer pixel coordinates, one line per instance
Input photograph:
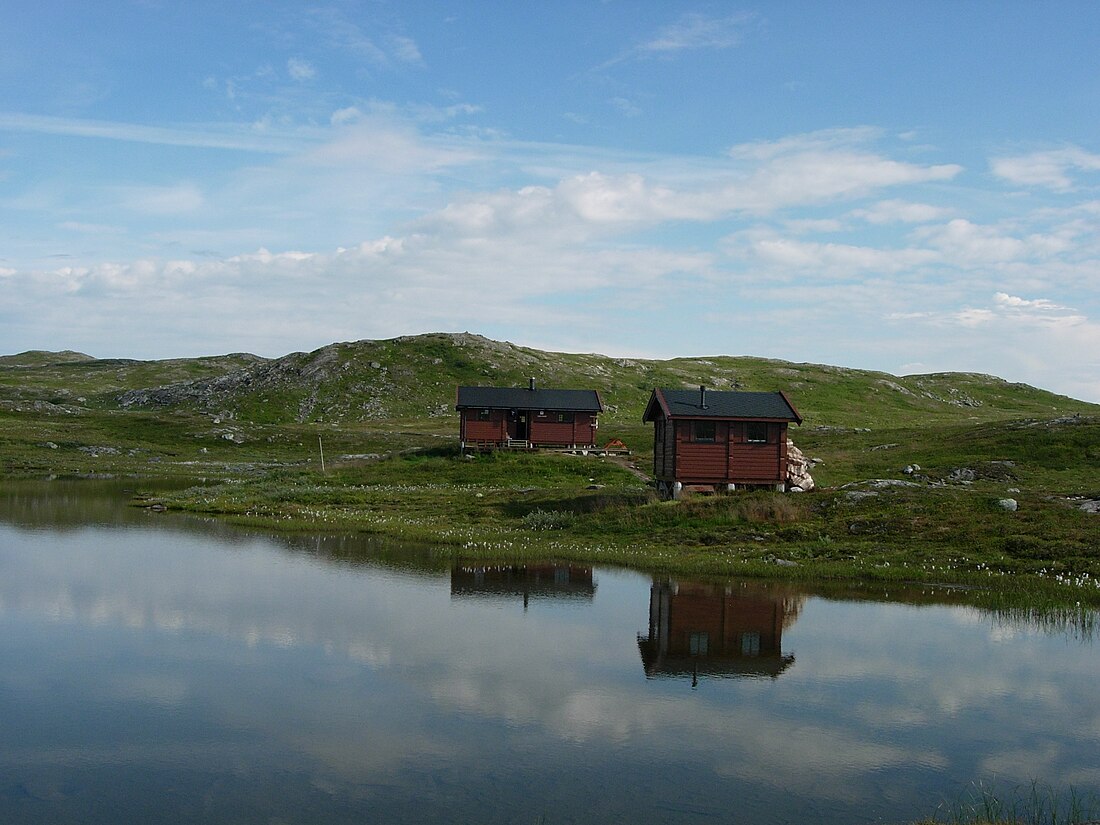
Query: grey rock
(880, 483)
(856, 496)
(96, 452)
(1009, 504)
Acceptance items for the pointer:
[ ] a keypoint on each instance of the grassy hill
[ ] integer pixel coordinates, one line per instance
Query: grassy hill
(75, 378)
(415, 378)
(378, 396)
(384, 413)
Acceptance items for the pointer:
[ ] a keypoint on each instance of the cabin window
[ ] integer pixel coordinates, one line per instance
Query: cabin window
(756, 432)
(750, 644)
(483, 415)
(703, 432)
(565, 418)
(698, 644)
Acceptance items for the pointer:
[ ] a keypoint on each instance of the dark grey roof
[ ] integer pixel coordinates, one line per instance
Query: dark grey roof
(688, 404)
(521, 398)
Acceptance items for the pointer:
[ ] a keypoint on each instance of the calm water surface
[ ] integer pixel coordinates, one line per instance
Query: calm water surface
(155, 668)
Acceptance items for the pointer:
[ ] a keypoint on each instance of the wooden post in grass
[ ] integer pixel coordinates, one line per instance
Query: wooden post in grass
(322, 449)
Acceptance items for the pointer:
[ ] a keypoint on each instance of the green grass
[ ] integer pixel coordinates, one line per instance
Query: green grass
(994, 803)
(521, 506)
(415, 377)
(393, 401)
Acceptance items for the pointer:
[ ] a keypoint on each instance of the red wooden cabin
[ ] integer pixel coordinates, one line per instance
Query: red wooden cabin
(719, 439)
(527, 418)
(697, 628)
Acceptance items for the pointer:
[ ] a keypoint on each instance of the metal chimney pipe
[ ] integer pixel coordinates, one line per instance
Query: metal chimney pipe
(702, 397)
(531, 385)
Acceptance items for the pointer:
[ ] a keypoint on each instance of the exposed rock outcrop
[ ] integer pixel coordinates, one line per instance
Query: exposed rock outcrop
(798, 470)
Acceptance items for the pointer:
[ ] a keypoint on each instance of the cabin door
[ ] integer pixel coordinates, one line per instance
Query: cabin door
(521, 427)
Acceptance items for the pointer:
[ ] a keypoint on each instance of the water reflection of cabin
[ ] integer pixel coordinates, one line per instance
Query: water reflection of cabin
(704, 629)
(523, 581)
(518, 417)
(720, 439)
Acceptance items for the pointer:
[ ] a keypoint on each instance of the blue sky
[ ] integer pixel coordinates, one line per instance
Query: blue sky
(911, 187)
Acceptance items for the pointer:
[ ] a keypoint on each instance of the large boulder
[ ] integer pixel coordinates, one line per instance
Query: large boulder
(798, 469)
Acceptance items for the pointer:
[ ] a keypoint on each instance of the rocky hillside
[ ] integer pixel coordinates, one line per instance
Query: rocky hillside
(37, 378)
(414, 377)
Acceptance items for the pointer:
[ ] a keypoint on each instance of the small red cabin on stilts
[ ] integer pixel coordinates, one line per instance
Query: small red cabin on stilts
(720, 439)
(527, 418)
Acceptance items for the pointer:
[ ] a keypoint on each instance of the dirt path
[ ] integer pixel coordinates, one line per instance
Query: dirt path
(627, 464)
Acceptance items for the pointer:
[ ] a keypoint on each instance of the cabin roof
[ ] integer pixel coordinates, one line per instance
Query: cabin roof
(771, 406)
(523, 398)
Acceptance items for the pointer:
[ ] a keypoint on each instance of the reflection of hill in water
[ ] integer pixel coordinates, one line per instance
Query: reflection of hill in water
(73, 504)
(70, 505)
(65, 505)
(696, 628)
(523, 581)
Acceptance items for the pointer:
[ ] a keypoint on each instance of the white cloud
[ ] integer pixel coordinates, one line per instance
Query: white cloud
(1034, 340)
(551, 232)
(626, 107)
(816, 176)
(697, 31)
(1050, 169)
(163, 200)
(347, 35)
(405, 49)
(965, 243)
(975, 317)
(690, 33)
(227, 137)
(91, 228)
(844, 260)
(822, 140)
(781, 177)
(300, 70)
(814, 225)
(349, 114)
(899, 211)
(1005, 300)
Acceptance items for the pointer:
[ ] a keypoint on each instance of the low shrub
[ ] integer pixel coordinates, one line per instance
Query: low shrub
(547, 520)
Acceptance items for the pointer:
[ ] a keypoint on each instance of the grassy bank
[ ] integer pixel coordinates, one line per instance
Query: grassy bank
(994, 803)
(382, 410)
(885, 527)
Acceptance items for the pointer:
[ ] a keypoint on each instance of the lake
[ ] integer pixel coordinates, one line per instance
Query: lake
(164, 668)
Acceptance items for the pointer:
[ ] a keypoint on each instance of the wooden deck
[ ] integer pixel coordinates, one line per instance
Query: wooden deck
(518, 444)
